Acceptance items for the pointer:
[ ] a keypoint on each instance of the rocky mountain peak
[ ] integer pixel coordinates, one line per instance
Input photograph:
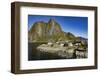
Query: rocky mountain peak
(51, 21)
(42, 31)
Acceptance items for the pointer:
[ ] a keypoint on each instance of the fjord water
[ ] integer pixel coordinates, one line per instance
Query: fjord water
(33, 53)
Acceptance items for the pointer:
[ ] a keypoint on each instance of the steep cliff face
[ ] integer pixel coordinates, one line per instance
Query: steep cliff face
(37, 31)
(53, 27)
(51, 31)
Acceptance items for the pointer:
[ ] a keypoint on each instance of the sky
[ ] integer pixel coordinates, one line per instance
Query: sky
(76, 25)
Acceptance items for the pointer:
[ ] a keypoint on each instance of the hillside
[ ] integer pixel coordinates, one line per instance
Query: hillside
(50, 31)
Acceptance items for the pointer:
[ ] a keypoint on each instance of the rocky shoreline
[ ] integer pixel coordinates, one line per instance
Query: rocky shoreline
(67, 52)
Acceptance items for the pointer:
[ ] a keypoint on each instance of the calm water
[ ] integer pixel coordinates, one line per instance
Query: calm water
(33, 53)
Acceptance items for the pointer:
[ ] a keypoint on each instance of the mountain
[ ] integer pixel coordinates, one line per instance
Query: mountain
(82, 39)
(50, 31)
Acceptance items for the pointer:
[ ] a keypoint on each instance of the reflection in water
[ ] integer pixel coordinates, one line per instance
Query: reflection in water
(44, 53)
(34, 54)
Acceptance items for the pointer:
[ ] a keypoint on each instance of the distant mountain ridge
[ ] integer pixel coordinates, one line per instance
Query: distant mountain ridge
(81, 39)
(50, 31)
